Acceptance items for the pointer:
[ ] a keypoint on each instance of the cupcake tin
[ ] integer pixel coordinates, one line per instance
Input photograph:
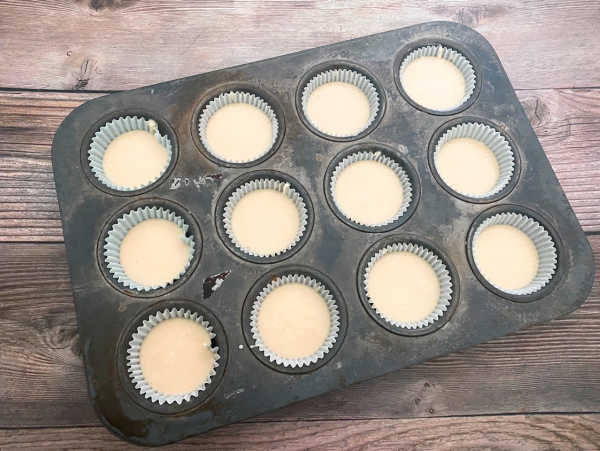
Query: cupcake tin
(222, 283)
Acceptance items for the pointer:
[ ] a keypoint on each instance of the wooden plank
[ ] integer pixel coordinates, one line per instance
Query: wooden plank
(28, 204)
(122, 44)
(566, 121)
(553, 367)
(531, 432)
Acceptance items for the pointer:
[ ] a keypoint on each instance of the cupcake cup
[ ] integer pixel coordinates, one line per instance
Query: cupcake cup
(113, 129)
(232, 97)
(133, 357)
(451, 55)
(407, 189)
(441, 271)
(253, 185)
(117, 233)
(334, 321)
(544, 245)
(352, 77)
(495, 141)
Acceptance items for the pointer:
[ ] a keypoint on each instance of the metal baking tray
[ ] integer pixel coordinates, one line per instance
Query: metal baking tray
(247, 384)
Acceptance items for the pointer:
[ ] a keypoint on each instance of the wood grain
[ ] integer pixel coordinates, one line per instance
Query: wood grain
(567, 122)
(28, 204)
(122, 44)
(553, 367)
(515, 432)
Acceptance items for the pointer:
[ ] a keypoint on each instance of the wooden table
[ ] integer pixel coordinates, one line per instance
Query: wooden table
(536, 389)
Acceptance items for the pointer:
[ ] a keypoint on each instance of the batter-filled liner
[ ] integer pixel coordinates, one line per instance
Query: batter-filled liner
(456, 172)
(544, 246)
(134, 359)
(243, 126)
(329, 303)
(277, 187)
(118, 233)
(426, 92)
(339, 107)
(439, 271)
(403, 182)
(153, 163)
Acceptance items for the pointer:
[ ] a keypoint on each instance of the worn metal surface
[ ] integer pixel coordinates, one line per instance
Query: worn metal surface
(248, 387)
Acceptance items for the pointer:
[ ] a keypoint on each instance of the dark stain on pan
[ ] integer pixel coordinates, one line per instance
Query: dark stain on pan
(213, 283)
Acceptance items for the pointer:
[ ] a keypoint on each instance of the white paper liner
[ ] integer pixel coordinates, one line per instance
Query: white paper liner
(495, 141)
(228, 98)
(440, 269)
(334, 321)
(111, 130)
(451, 55)
(546, 249)
(390, 163)
(253, 185)
(357, 79)
(116, 235)
(133, 357)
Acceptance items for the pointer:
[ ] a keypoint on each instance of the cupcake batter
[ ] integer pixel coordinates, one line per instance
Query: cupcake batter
(368, 192)
(176, 356)
(434, 83)
(506, 257)
(265, 221)
(153, 252)
(467, 166)
(338, 109)
(293, 321)
(403, 287)
(239, 132)
(134, 159)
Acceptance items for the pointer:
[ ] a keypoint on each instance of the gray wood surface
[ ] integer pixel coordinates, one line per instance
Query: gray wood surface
(535, 389)
(518, 432)
(123, 44)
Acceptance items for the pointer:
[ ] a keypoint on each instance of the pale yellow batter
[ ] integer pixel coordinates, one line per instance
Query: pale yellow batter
(403, 287)
(467, 166)
(434, 83)
(265, 221)
(153, 252)
(293, 321)
(338, 108)
(239, 132)
(506, 257)
(176, 356)
(368, 192)
(134, 159)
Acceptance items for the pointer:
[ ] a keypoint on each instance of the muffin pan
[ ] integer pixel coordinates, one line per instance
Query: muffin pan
(222, 283)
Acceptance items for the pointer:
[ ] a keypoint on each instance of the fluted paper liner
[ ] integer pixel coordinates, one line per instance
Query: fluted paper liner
(390, 163)
(133, 357)
(460, 61)
(116, 235)
(253, 185)
(440, 269)
(352, 77)
(113, 129)
(334, 321)
(491, 138)
(232, 97)
(544, 245)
